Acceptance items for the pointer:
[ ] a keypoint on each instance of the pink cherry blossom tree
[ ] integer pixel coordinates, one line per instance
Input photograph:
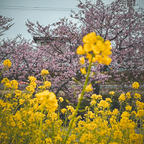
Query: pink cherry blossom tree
(5, 24)
(62, 39)
(123, 26)
(25, 58)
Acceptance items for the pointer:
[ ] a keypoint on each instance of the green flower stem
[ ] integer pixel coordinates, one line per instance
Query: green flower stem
(3, 92)
(41, 122)
(59, 110)
(79, 102)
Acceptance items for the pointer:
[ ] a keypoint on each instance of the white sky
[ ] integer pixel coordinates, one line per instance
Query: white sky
(44, 11)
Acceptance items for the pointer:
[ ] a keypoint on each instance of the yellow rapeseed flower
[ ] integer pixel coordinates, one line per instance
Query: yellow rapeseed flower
(115, 112)
(48, 141)
(93, 102)
(80, 50)
(140, 113)
(83, 70)
(103, 104)
(8, 95)
(137, 96)
(8, 85)
(128, 95)
(108, 100)
(21, 101)
(122, 97)
(89, 88)
(58, 139)
(95, 46)
(82, 60)
(128, 108)
(61, 99)
(63, 110)
(111, 92)
(30, 88)
(117, 135)
(18, 92)
(70, 108)
(44, 72)
(90, 38)
(136, 138)
(5, 80)
(135, 85)
(125, 114)
(32, 78)
(96, 97)
(48, 100)
(7, 63)
(47, 84)
(33, 84)
(140, 105)
(91, 114)
(14, 84)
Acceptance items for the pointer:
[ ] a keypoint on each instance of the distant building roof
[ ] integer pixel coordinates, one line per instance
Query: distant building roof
(46, 40)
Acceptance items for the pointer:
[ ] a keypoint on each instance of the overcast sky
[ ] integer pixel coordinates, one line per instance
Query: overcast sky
(44, 11)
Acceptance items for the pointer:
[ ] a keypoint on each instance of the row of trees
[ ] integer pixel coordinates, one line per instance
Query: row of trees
(122, 25)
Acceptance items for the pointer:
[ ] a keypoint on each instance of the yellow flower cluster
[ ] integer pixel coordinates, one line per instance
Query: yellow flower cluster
(46, 85)
(122, 97)
(13, 84)
(111, 92)
(95, 49)
(82, 60)
(63, 110)
(23, 114)
(7, 63)
(32, 78)
(103, 104)
(89, 88)
(44, 72)
(61, 99)
(135, 85)
(83, 70)
(47, 100)
(35, 118)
